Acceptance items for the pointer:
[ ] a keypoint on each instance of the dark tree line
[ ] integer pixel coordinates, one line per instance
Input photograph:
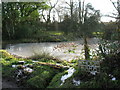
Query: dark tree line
(18, 17)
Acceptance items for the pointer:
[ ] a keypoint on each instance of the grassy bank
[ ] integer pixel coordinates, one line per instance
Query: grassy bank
(45, 72)
(43, 36)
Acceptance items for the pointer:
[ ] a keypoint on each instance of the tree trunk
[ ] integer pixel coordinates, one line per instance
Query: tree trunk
(53, 65)
(86, 48)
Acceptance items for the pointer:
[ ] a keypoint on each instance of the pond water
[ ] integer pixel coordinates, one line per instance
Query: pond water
(59, 50)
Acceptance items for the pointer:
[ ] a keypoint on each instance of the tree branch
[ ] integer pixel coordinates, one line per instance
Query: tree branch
(111, 16)
(113, 4)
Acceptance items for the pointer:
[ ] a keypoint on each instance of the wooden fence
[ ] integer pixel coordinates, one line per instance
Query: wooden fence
(89, 65)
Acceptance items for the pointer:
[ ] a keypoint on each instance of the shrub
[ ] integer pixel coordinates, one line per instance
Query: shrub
(37, 82)
(100, 81)
(109, 50)
(41, 76)
(5, 54)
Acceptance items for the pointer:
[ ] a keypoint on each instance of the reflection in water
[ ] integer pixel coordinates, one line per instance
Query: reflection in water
(62, 51)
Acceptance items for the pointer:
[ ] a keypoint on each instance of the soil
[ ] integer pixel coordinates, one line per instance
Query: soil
(7, 83)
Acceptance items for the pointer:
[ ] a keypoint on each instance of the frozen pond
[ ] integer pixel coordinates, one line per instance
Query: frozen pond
(60, 50)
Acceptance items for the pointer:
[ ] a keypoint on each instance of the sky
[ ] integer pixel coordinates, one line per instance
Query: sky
(105, 7)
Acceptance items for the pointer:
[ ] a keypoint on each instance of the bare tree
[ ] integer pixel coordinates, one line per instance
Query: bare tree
(87, 17)
(50, 10)
(116, 5)
(117, 16)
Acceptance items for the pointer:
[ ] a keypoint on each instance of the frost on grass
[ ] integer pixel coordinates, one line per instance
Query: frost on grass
(76, 82)
(34, 61)
(113, 79)
(14, 66)
(70, 73)
(28, 70)
(93, 72)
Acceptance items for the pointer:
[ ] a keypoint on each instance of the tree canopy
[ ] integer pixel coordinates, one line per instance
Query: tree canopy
(15, 13)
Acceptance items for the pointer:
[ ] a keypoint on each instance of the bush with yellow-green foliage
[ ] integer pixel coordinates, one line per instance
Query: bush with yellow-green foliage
(5, 54)
(6, 61)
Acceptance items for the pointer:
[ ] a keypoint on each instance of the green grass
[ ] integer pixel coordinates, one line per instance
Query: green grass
(41, 76)
(55, 33)
(56, 81)
(98, 33)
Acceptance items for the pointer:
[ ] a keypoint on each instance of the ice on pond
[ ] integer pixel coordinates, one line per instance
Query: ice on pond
(71, 70)
(56, 50)
(76, 83)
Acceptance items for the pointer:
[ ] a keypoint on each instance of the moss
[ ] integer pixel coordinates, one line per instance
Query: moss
(4, 62)
(4, 54)
(41, 76)
(56, 81)
(65, 63)
(47, 60)
(37, 82)
(68, 83)
(8, 71)
(40, 68)
(28, 61)
(74, 61)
